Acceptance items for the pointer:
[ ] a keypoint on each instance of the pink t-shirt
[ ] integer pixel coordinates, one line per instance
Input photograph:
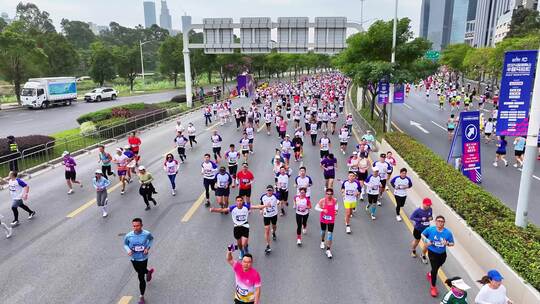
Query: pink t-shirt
(283, 125)
(246, 282)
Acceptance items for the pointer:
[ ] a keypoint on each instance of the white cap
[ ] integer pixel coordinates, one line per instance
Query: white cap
(375, 169)
(355, 153)
(119, 149)
(460, 284)
(127, 147)
(141, 168)
(65, 153)
(98, 171)
(287, 135)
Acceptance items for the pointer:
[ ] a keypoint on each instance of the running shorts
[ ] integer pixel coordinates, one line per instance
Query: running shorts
(222, 192)
(324, 153)
(349, 204)
(240, 232)
(361, 175)
(329, 226)
(122, 172)
(383, 183)
(245, 192)
(270, 220)
(329, 175)
(250, 141)
(283, 195)
(233, 169)
(518, 153)
(71, 175)
(417, 234)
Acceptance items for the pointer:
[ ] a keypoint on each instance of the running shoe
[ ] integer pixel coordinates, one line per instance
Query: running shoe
(434, 291)
(141, 300)
(379, 203)
(105, 214)
(515, 165)
(147, 208)
(413, 254)
(398, 218)
(9, 232)
(329, 253)
(122, 192)
(424, 259)
(267, 250)
(31, 215)
(14, 223)
(322, 245)
(299, 242)
(70, 191)
(348, 229)
(274, 237)
(149, 274)
(173, 192)
(373, 217)
(207, 204)
(495, 164)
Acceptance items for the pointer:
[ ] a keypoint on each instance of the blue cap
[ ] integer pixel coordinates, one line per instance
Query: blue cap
(495, 275)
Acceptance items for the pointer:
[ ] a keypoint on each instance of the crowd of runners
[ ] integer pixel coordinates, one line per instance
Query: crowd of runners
(310, 111)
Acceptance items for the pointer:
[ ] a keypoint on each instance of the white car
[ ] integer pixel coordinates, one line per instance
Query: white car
(100, 94)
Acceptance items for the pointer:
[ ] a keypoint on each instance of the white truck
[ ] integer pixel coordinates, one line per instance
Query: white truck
(44, 92)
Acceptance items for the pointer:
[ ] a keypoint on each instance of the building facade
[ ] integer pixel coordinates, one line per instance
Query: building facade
(165, 20)
(436, 22)
(149, 13)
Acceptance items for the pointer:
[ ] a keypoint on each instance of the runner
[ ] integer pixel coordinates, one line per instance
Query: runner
(137, 244)
(313, 127)
(329, 165)
(245, 179)
(223, 181)
(436, 239)
(333, 121)
(282, 125)
(70, 173)
(373, 189)
(451, 126)
(519, 150)
(131, 162)
(501, 151)
(105, 159)
(18, 191)
(269, 212)
(207, 112)
(302, 204)
(282, 187)
(171, 167)
(181, 141)
(343, 139)
(250, 135)
(362, 174)
(392, 161)
(244, 146)
(488, 130)
(248, 280)
(328, 208)
(191, 131)
(208, 171)
(421, 217)
(268, 117)
(401, 184)
(325, 145)
(298, 143)
(350, 190)
(286, 146)
(100, 184)
(384, 169)
(179, 126)
(232, 157)
(457, 293)
(147, 188)
(135, 145)
(303, 181)
(121, 161)
(216, 145)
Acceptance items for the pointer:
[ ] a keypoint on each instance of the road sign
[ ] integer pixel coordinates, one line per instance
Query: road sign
(515, 97)
(218, 35)
(292, 34)
(399, 93)
(255, 35)
(467, 138)
(433, 55)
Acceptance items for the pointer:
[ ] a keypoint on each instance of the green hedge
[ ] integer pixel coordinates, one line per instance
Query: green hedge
(104, 114)
(485, 213)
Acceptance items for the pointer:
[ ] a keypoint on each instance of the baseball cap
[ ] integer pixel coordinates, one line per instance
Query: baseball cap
(375, 169)
(141, 168)
(355, 153)
(495, 275)
(65, 153)
(98, 171)
(427, 201)
(460, 284)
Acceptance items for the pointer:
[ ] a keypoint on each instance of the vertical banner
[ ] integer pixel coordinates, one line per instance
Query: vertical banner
(515, 96)
(399, 93)
(469, 129)
(383, 89)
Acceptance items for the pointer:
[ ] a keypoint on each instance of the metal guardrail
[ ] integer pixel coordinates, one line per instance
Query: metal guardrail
(49, 153)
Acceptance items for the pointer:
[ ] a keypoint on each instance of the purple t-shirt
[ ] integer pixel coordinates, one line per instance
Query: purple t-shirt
(69, 163)
(329, 166)
(421, 218)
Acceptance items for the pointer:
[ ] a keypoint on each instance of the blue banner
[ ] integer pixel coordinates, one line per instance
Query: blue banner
(399, 93)
(469, 129)
(515, 96)
(383, 92)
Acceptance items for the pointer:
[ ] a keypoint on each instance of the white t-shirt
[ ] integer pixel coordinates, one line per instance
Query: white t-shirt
(272, 201)
(488, 295)
(240, 216)
(283, 181)
(304, 182)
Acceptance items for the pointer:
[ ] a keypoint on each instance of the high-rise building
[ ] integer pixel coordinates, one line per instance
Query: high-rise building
(149, 13)
(165, 20)
(487, 21)
(436, 22)
(460, 10)
(469, 26)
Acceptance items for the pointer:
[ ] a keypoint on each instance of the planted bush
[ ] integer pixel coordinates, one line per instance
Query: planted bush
(486, 214)
(179, 98)
(87, 128)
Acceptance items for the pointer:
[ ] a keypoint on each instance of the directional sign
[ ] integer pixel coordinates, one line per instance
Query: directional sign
(255, 35)
(218, 35)
(433, 55)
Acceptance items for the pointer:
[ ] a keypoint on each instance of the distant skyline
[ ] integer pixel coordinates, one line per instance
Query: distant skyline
(130, 12)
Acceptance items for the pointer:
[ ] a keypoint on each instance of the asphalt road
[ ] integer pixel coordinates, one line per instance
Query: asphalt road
(80, 259)
(502, 181)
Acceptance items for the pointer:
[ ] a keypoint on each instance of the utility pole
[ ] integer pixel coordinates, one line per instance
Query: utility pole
(142, 59)
(393, 60)
(362, 12)
(530, 153)
(186, 27)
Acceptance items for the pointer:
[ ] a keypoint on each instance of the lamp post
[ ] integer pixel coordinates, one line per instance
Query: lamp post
(393, 60)
(142, 60)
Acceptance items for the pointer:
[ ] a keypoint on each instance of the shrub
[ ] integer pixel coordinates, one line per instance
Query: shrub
(87, 128)
(28, 144)
(179, 98)
(95, 116)
(121, 111)
(485, 213)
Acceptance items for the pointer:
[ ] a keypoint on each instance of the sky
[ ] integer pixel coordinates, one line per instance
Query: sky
(130, 12)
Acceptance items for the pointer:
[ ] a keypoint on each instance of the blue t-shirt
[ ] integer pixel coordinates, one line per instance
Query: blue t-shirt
(501, 148)
(138, 243)
(520, 145)
(436, 237)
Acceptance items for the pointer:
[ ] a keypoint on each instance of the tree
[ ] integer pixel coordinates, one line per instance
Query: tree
(62, 58)
(78, 33)
(102, 67)
(3, 24)
(128, 62)
(476, 63)
(20, 58)
(524, 22)
(453, 56)
(171, 59)
(35, 21)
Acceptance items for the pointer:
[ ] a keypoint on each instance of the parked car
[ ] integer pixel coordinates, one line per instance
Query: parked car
(100, 94)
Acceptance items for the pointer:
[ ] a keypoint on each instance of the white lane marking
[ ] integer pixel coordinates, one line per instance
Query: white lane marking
(538, 178)
(24, 120)
(419, 126)
(438, 125)
(407, 106)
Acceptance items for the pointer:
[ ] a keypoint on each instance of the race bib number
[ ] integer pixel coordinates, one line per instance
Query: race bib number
(301, 208)
(223, 184)
(138, 248)
(245, 180)
(349, 192)
(240, 218)
(327, 217)
(270, 209)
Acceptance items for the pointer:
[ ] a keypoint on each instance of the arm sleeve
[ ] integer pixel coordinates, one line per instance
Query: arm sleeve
(126, 244)
(150, 240)
(318, 207)
(21, 183)
(410, 182)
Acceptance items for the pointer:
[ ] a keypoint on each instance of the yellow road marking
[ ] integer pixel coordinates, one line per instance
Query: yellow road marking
(193, 208)
(125, 300)
(89, 203)
(441, 274)
(212, 126)
(264, 125)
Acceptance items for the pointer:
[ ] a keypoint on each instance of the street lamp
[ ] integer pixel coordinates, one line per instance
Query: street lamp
(142, 60)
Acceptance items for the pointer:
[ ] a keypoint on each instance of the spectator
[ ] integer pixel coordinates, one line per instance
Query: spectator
(492, 291)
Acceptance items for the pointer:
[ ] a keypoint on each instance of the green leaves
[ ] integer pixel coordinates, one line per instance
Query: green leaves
(486, 214)
(102, 64)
